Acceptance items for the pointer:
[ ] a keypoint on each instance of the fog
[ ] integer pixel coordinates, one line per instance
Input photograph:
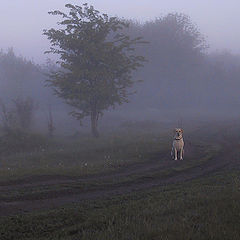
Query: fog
(181, 80)
(22, 22)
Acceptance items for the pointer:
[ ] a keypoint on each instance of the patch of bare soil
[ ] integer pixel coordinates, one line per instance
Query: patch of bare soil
(158, 162)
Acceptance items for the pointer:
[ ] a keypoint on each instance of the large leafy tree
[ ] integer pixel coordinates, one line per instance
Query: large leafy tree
(97, 61)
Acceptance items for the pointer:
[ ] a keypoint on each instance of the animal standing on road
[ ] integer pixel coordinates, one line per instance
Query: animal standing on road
(178, 144)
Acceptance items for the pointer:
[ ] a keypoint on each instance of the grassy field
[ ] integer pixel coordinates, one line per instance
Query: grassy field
(202, 209)
(206, 206)
(84, 155)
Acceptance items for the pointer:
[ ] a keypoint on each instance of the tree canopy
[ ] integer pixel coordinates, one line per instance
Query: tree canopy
(97, 61)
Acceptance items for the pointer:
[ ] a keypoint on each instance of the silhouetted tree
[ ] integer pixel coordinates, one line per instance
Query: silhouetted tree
(24, 109)
(176, 64)
(8, 118)
(19, 116)
(50, 123)
(96, 59)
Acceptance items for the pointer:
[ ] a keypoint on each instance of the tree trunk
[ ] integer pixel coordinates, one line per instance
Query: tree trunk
(94, 119)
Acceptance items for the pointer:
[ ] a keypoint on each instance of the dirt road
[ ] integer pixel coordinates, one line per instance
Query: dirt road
(64, 190)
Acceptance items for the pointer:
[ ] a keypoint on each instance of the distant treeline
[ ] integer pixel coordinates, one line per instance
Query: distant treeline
(180, 74)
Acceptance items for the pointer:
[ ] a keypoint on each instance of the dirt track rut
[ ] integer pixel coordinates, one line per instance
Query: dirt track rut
(55, 199)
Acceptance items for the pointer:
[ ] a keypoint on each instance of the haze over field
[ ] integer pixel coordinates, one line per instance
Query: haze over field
(87, 132)
(22, 22)
(182, 78)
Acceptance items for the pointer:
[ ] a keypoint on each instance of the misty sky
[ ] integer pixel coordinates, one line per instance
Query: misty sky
(22, 21)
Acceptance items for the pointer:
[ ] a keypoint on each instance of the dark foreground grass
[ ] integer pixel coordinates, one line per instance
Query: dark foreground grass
(202, 209)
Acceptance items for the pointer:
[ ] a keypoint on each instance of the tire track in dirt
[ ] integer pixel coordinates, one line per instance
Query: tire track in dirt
(34, 181)
(55, 199)
(158, 160)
